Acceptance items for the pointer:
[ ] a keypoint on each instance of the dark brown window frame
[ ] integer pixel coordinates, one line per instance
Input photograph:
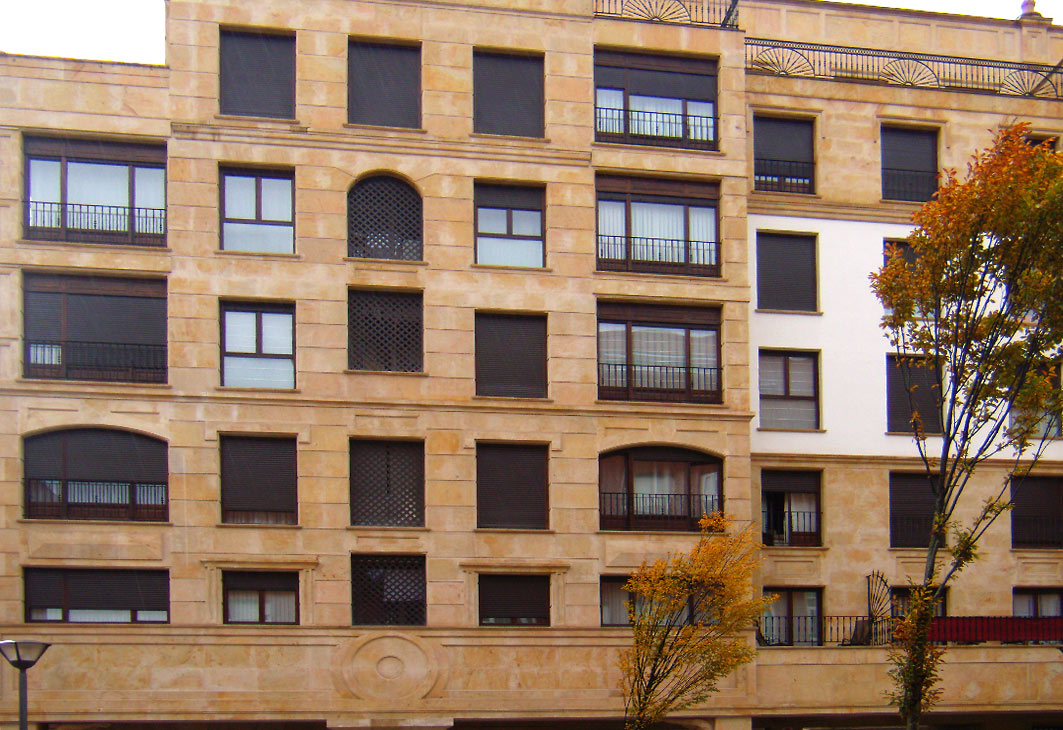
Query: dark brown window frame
(64, 575)
(510, 198)
(394, 454)
(1034, 592)
(787, 356)
(258, 309)
(66, 358)
(229, 107)
(256, 516)
(787, 272)
(485, 115)
(617, 580)
(265, 576)
(398, 357)
(909, 182)
(498, 504)
(787, 593)
(258, 175)
(622, 63)
(628, 190)
(381, 612)
(784, 175)
(498, 581)
(1037, 524)
(408, 114)
(489, 354)
(680, 512)
(700, 319)
(775, 486)
(900, 397)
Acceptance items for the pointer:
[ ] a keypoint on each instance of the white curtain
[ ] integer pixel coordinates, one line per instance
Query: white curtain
(704, 354)
(610, 111)
(701, 121)
(655, 116)
(802, 510)
(659, 355)
(703, 236)
(97, 196)
(44, 193)
(612, 229)
(614, 604)
(660, 488)
(657, 232)
(149, 191)
(280, 607)
(806, 618)
(612, 354)
(243, 606)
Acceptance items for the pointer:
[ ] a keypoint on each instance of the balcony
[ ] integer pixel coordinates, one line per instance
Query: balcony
(95, 500)
(912, 185)
(864, 631)
(663, 512)
(658, 255)
(953, 73)
(721, 13)
(790, 528)
(111, 361)
(672, 383)
(657, 128)
(784, 176)
(81, 223)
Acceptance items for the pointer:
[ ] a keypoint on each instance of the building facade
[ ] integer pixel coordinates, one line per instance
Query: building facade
(356, 355)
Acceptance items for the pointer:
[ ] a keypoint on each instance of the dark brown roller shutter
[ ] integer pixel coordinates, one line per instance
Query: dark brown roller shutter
(126, 320)
(257, 72)
(782, 139)
(92, 589)
(925, 395)
(507, 94)
(44, 588)
(805, 482)
(87, 149)
(643, 186)
(661, 314)
(511, 486)
(384, 84)
(260, 581)
(511, 355)
(258, 474)
(1037, 514)
(515, 599)
(96, 454)
(909, 149)
(508, 196)
(911, 510)
(94, 285)
(786, 272)
(43, 315)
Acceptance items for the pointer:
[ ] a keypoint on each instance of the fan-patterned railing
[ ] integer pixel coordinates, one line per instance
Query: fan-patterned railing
(722, 13)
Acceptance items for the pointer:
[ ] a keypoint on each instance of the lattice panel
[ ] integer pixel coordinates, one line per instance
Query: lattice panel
(388, 590)
(387, 483)
(384, 220)
(385, 331)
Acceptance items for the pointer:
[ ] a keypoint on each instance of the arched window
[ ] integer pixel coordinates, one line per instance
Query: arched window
(384, 220)
(657, 488)
(96, 474)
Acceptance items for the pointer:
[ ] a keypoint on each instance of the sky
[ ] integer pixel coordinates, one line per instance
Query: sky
(132, 30)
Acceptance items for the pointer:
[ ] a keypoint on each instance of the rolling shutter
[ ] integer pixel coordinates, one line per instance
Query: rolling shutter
(782, 139)
(258, 474)
(384, 84)
(511, 355)
(96, 454)
(911, 510)
(786, 272)
(507, 94)
(909, 149)
(805, 482)
(511, 486)
(257, 73)
(515, 599)
(925, 396)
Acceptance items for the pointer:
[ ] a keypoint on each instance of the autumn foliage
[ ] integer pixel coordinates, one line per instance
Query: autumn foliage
(688, 616)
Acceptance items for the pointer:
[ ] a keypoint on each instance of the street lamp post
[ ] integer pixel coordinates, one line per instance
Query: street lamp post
(22, 655)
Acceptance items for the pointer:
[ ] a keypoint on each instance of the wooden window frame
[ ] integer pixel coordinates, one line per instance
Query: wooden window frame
(776, 484)
(258, 309)
(1034, 592)
(531, 580)
(787, 593)
(258, 176)
(494, 196)
(227, 576)
(787, 356)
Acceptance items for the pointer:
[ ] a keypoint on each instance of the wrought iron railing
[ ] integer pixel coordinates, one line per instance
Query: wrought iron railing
(662, 129)
(1036, 532)
(677, 383)
(910, 530)
(865, 631)
(914, 185)
(790, 528)
(68, 360)
(723, 13)
(81, 223)
(845, 63)
(678, 512)
(658, 255)
(784, 176)
(86, 499)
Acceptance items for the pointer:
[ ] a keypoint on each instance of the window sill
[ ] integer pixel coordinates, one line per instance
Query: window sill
(507, 267)
(516, 530)
(689, 533)
(291, 122)
(105, 383)
(1054, 551)
(240, 525)
(658, 404)
(384, 128)
(484, 136)
(386, 530)
(783, 194)
(264, 254)
(657, 276)
(891, 201)
(909, 434)
(788, 549)
(770, 429)
(57, 521)
(383, 262)
(801, 312)
(513, 398)
(46, 243)
(240, 389)
(420, 374)
(661, 147)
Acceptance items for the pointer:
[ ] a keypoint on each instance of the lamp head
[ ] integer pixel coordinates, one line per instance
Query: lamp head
(23, 653)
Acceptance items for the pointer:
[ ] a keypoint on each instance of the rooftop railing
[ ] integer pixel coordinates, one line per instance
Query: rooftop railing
(844, 63)
(722, 13)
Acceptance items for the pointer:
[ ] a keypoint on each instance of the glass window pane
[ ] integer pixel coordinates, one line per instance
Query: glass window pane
(491, 220)
(1048, 604)
(612, 343)
(276, 199)
(258, 238)
(785, 413)
(701, 124)
(772, 375)
(100, 616)
(658, 345)
(802, 376)
(614, 604)
(44, 181)
(240, 332)
(657, 232)
(259, 372)
(149, 187)
(527, 223)
(93, 183)
(46, 614)
(655, 116)
(276, 333)
(703, 236)
(1022, 604)
(239, 197)
(610, 110)
(703, 349)
(242, 606)
(280, 607)
(152, 615)
(611, 218)
(509, 252)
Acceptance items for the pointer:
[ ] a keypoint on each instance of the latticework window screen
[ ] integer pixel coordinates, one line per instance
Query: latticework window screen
(388, 590)
(385, 331)
(384, 220)
(387, 483)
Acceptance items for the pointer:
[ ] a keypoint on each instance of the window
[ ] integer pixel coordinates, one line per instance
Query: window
(83, 595)
(1046, 424)
(95, 192)
(257, 73)
(384, 220)
(510, 355)
(901, 602)
(94, 328)
(257, 211)
(258, 345)
(258, 480)
(786, 272)
(260, 597)
(655, 100)
(507, 94)
(1037, 514)
(614, 600)
(912, 504)
(514, 600)
(385, 331)
(789, 390)
(95, 474)
(793, 620)
(388, 590)
(658, 352)
(789, 507)
(657, 226)
(909, 164)
(387, 483)
(509, 225)
(912, 388)
(383, 84)
(657, 488)
(512, 486)
(783, 157)
(1037, 602)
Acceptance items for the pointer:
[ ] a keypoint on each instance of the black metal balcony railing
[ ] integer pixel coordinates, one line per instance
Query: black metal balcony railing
(658, 255)
(676, 512)
(913, 185)
(910, 531)
(790, 528)
(784, 176)
(67, 360)
(842, 63)
(1036, 532)
(723, 13)
(676, 383)
(96, 500)
(82, 223)
(662, 129)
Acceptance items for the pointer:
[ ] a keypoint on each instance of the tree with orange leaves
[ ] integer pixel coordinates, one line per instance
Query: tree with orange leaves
(977, 300)
(688, 614)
